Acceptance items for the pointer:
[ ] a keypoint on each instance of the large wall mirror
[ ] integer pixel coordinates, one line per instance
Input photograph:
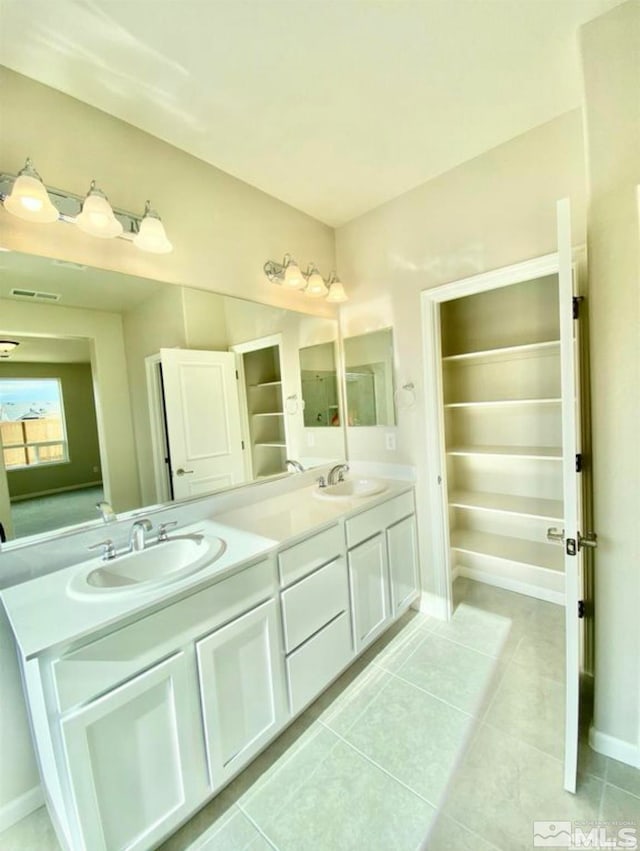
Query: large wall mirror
(137, 392)
(369, 379)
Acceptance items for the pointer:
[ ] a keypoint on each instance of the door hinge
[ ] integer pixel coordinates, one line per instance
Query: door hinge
(242, 442)
(576, 305)
(581, 609)
(237, 376)
(579, 463)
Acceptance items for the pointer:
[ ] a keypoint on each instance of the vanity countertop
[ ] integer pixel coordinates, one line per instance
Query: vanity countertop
(44, 614)
(295, 514)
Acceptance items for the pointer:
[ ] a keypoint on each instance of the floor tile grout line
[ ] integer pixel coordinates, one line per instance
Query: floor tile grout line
(317, 724)
(260, 831)
(431, 694)
(621, 788)
(466, 646)
(387, 772)
(366, 706)
(474, 833)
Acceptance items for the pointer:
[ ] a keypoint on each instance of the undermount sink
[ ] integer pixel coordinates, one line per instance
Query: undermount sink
(157, 564)
(351, 489)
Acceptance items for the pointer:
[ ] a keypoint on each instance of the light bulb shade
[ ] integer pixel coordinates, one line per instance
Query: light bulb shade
(29, 199)
(292, 275)
(96, 217)
(336, 292)
(7, 346)
(316, 287)
(151, 235)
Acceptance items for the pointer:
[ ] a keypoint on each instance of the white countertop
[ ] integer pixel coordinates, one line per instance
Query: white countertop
(44, 614)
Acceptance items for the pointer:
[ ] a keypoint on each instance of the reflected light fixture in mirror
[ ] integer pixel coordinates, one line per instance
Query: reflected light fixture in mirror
(29, 199)
(96, 217)
(26, 196)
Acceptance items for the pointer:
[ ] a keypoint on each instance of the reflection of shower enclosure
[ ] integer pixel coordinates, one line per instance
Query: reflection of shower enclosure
(361, 397)
(320, 395)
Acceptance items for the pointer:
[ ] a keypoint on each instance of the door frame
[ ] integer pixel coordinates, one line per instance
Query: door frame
(440, 556)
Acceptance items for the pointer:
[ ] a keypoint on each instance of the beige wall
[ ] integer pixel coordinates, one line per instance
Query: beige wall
(222, 229)
(492, 211)
(611, 63)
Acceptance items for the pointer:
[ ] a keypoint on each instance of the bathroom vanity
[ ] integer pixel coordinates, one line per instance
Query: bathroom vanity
(146, 700)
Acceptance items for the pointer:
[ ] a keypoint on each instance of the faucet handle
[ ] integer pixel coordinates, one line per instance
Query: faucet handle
(162, 529)
(106, 511)
(108, 549)
(322, 483)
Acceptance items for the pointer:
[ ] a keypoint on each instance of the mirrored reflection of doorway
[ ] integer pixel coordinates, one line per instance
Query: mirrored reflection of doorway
(51, 471)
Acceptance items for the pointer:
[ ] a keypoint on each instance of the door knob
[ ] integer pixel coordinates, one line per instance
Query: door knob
(182, 472)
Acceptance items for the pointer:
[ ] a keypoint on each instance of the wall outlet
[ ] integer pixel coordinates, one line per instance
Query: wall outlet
(390, 441)
(311, 439)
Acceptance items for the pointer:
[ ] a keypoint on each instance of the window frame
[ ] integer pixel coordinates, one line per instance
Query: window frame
(27, 445)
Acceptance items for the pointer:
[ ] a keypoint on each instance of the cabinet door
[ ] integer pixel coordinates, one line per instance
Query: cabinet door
(369, 577)
(242, 689)
(133, 759)
(403, 562)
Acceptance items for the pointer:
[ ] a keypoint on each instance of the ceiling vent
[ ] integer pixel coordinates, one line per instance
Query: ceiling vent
(34, 295)
(67, 264)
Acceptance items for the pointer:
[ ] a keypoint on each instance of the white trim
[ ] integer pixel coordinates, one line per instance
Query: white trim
(20, 807)
(615, 748)
(431, 604)
(54, 491)
(509, 583)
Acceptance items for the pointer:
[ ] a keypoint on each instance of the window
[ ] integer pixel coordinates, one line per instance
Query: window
(32, 425)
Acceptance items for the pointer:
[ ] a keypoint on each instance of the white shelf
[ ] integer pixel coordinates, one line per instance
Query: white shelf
(544, 453)
(532, 553)
(503, 403)
(266, 384)
(548, 509)
(272, 444)
(506, 353)
(269, 414)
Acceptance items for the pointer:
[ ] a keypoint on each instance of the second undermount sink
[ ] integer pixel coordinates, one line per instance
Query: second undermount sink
(351, 489)
(157, 564)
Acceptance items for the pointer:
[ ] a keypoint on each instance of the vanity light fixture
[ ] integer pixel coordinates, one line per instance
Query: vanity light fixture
(316, 287)
(26, 196)
(286, 273)
(96, 216)
(336, 289)
(151, 235)
(7, 347)
(29, 199)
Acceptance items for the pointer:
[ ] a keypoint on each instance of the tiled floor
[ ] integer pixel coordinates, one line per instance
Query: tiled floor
(444, 737)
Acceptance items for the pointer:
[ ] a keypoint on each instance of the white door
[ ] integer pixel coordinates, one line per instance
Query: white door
(202, 413)
(242, 688)
(572, 488)
(135, 760)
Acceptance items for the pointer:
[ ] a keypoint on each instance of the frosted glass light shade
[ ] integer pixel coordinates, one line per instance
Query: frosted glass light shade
(29, 199)
(336, 292)
(152, 235)
(96, 217)
(316, 287)
(293, 276)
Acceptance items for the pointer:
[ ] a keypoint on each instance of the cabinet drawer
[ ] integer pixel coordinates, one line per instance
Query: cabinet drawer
(364, 525)
(104, 663)
(308, 555)
(312, 667)
(313, 602)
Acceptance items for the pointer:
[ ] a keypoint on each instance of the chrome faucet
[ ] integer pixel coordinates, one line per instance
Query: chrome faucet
(136, 536)
(336, 474)
(295, 465)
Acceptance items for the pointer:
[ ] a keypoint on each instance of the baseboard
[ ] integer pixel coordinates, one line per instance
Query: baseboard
(431, 604)
(615, 748)
(511, 584)
(54, 491)
(20, 807)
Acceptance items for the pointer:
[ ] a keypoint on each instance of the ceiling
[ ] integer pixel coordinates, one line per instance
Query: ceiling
(334, 106)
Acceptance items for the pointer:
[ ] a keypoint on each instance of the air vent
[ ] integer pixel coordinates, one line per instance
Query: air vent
(34, 295)
(67, 264)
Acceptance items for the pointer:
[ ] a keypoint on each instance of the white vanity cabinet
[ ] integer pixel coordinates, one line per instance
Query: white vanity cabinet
(242, 689)
(383, 570)
(315, 614)
(134, 766)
